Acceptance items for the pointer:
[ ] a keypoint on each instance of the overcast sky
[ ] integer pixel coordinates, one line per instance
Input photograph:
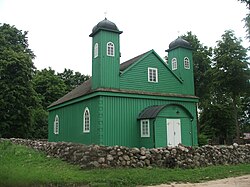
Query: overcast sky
(59, 29)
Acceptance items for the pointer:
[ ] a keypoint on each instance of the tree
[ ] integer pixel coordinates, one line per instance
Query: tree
(17, 97)
(71, 79)
(247, 2)
(49, 86)
(230, 73)
(201, 61)
(245, 113)
(40, 123)
(217, 116)
(247, 18)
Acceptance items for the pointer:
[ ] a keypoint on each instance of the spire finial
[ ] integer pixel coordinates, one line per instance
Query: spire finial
(105, 14)
(178, 33)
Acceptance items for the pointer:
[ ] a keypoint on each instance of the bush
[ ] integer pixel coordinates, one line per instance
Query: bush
(202, 139)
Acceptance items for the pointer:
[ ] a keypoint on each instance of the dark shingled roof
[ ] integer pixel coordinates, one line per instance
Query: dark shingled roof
(85, 88)
(126, 64)
(179, 42)
(105, 25)
(81, 90)
(151, 112)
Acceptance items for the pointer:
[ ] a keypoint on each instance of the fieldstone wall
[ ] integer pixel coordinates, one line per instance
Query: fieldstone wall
(95, 156)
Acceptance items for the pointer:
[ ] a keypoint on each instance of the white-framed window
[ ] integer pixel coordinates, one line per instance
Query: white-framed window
(56, 125)
(145, 130)
(96, 50)
(110, 49)
(174, 64)
(152, 75)
(86, 120)
(186, 63)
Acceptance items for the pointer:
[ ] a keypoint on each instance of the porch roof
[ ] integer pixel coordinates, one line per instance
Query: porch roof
(151, 112)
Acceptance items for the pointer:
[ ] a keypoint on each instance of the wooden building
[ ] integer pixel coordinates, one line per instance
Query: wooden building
(143, 102)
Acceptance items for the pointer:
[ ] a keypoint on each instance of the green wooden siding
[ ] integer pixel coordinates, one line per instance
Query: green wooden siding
(173, 112)
(71, 123)
(161, 132)
(105, 69)
(137, 77)
(185, 74)
(114, 120)
(120, 124)
(186, 131)
(147, 141)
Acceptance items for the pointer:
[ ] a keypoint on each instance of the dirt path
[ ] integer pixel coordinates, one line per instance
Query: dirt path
(243, 181)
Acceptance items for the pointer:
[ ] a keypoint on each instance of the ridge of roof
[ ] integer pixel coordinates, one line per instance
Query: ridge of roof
(86, 87)
(126, 64)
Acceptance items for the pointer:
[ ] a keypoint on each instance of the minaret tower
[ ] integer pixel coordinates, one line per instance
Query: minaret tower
(105, 55)
(180, 61)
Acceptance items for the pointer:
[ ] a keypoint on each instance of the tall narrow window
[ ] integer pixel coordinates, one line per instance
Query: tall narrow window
(96, 50)
(145, 130)
(86, 120)
(110, 49)
(186, 63)
(56, 125)
(174, 64)
(152, 75)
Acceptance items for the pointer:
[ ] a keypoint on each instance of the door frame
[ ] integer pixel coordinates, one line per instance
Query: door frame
(176, 129)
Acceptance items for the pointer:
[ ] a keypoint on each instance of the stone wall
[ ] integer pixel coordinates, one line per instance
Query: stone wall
(89, 156)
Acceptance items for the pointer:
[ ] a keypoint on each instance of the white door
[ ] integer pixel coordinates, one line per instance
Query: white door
(173, 132)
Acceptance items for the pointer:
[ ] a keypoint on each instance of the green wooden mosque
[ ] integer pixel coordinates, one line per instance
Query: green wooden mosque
(143, 102)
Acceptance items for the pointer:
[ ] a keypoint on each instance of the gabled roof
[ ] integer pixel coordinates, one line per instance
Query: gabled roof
(132, 62)
(126, 64)
(85, 88)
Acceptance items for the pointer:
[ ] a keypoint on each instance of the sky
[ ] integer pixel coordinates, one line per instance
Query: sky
(59, 29)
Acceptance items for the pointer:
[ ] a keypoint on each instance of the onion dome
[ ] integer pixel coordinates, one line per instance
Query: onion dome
(105, 25)
(179, 42)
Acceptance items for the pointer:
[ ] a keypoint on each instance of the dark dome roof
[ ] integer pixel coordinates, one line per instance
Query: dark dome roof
(179, 42)
(105, 25)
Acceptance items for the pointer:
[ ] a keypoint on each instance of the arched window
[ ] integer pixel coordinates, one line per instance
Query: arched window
(96, 50)
(56, 125)
(186, 63)
(174, 64)
(86, 120)
(110, 49)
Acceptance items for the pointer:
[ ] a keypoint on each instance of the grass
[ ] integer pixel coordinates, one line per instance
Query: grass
(21, 166)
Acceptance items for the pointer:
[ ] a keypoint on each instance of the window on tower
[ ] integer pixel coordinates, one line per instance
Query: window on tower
(174, 64)
(110, 49)
(186, 63)
(96, 50)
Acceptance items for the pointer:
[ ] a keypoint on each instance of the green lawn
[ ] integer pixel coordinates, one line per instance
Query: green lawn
(23, 166)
